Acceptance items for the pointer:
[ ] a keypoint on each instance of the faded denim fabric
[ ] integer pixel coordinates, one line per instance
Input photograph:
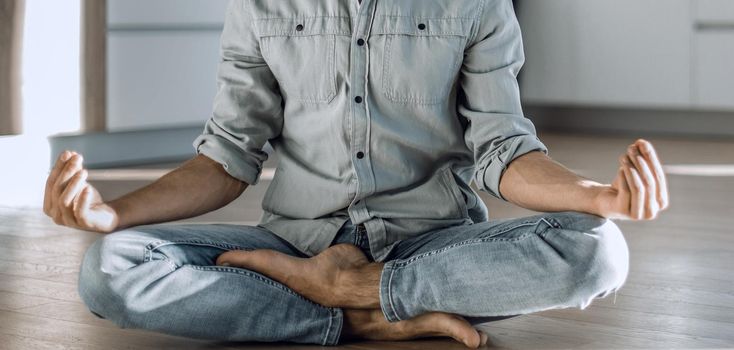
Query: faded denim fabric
(164, 278)
(505, 267)
(380, 114)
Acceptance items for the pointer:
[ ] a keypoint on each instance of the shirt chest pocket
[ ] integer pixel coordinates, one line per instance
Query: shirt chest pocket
(301, 53)
(420, 57)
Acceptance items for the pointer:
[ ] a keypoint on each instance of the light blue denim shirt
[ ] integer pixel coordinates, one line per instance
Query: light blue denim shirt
(382, 113)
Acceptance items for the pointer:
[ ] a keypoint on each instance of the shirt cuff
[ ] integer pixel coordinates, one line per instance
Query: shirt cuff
(239, 164)
(512, 148)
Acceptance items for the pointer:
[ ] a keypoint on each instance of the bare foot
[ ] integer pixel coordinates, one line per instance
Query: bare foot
(371, 324)
(340, 276)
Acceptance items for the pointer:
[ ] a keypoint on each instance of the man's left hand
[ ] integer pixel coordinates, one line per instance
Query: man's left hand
(640, 190)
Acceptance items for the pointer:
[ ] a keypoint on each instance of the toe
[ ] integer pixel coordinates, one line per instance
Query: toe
(232, 258)
(460, 329)
(483, 338)
(472, 339)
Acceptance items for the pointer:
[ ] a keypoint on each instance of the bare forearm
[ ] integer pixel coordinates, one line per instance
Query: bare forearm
(198, 186)
(535, 181)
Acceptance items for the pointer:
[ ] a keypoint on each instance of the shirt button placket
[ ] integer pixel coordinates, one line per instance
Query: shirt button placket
(360, 116)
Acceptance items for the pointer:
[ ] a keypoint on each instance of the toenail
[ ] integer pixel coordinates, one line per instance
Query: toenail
(225, 264)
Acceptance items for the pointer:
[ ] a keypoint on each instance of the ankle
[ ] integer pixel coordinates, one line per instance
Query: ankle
(356, 323)
(359, 287)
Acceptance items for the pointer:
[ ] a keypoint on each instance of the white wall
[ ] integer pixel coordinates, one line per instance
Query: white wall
(50, 73)
(162, 62)
(50, 99)
(607, 52)
(660, 54)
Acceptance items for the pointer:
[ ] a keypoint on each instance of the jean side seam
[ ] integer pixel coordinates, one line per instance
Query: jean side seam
(250, 274)
(333, 331)
(228, 246)
(387, 304)
(389, 294)
(325, 341)
(383, 290)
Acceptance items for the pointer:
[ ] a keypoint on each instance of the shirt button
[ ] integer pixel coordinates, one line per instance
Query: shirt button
(360, 155)
(421, 26)
(360, 42)
(299, 27)
(358, 99)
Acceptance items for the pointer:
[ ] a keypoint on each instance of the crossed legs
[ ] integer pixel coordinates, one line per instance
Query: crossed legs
(491, 269)
(172, 278)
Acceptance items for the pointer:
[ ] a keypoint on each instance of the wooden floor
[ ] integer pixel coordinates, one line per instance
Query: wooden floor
(679, 294)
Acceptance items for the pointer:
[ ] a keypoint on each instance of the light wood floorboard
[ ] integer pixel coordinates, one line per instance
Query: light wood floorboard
(679, 294)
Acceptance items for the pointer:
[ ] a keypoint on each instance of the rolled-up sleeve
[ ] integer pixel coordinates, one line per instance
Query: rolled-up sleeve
(247, 108)
(489, 97)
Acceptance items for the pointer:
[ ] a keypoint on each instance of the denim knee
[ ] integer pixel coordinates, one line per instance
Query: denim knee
(103, 260)
(92, 280)
(607, 265)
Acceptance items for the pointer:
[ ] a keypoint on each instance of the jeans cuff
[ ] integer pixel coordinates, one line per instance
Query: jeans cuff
(335, 327)
(386, 304)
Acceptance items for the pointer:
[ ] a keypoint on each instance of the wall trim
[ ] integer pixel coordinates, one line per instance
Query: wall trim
(94, 65)
(11, 42)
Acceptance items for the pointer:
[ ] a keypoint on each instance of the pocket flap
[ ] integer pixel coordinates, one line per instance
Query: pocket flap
(308, 25)
(412, 26)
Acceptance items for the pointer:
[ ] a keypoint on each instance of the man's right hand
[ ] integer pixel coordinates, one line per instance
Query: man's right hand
(70, 201)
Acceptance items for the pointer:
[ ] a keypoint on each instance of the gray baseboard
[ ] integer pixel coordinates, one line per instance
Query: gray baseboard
(634, 122)
(133, 147)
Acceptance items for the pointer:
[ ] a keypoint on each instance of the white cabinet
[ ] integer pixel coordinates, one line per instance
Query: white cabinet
(606, 52)
(162, 62)
(714, 11)
(713, 55)
(629, 53)
(714, 70)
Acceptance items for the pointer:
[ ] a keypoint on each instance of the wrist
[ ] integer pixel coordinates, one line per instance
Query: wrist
(595, 202)
(118, 211)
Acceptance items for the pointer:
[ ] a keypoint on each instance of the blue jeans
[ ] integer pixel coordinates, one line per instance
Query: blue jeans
(164, 278)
